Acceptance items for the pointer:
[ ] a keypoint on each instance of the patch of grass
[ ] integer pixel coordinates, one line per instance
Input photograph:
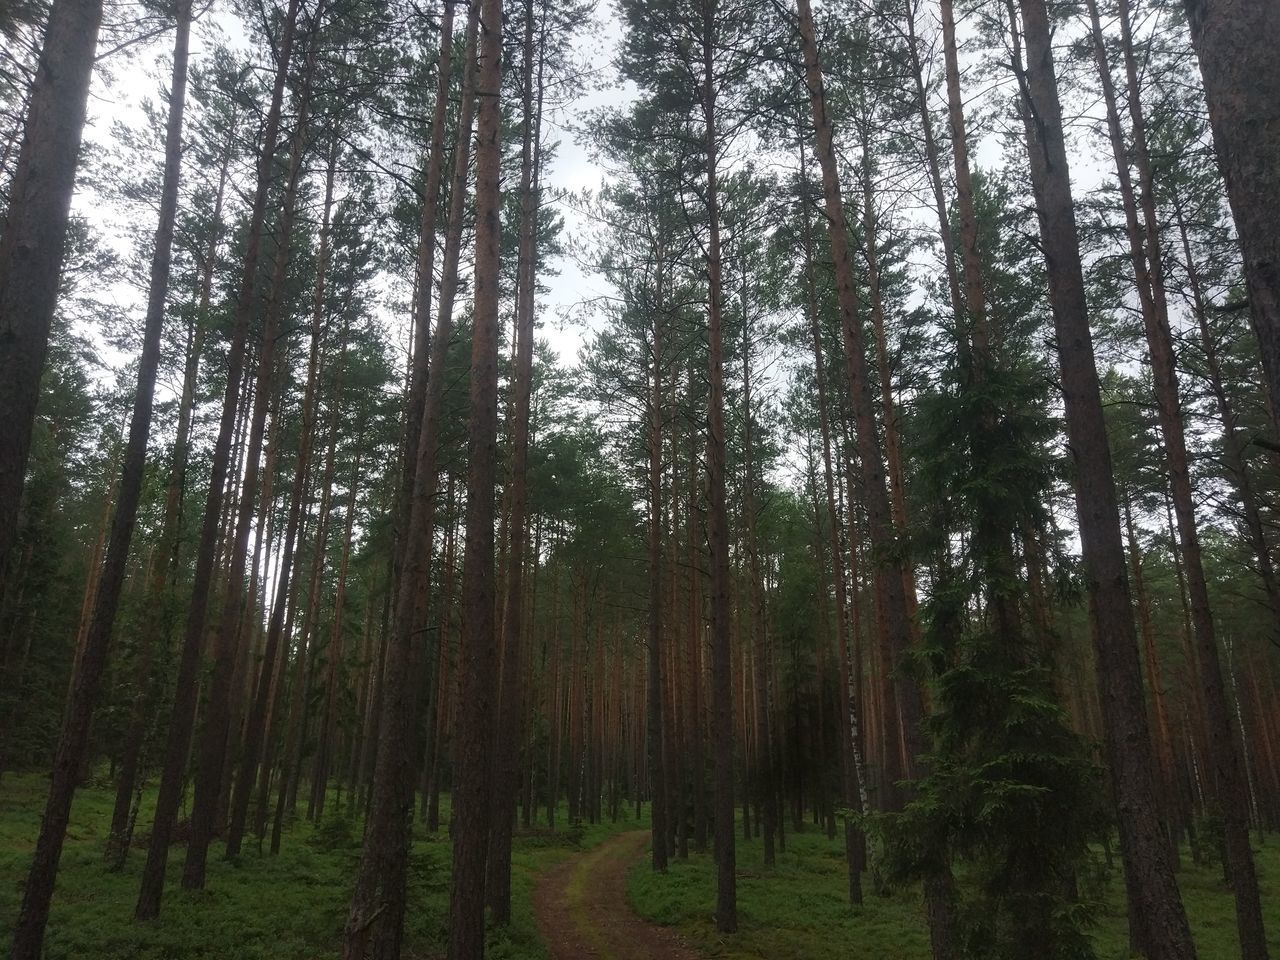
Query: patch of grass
(262, 908)
(798, 909)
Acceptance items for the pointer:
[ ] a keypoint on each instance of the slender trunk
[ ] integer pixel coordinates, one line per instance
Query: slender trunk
(148, 906)
(889, 573)
(1149, 273)
(308, 642)
(254, 729)
(1233, 441)
(213, 738)
(853, 780)
(72, 744)
(717, 514)
(472, 770)
(659, 814)
(424, 278)
(765, 791)
(1156, 907)
(160, 619)
(329, 721)
(1236, 41)
(934, 166)
(509, 714)
(376, 915)
(1164, 741)
(31, 254)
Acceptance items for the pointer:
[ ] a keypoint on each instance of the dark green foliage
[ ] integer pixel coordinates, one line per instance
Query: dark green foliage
(1011, 799)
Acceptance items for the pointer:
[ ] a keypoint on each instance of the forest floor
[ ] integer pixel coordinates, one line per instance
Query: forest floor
(577, 893)
(287, 907)
(798, 909)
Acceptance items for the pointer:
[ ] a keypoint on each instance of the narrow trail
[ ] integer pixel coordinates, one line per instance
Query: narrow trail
(583, 914)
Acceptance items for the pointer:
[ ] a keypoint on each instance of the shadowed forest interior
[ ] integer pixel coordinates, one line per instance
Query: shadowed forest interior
(640, 479)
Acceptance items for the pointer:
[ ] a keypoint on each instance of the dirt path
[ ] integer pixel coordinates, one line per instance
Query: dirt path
(583, 913)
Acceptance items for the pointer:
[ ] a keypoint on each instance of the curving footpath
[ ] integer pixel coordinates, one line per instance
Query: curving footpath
(583, 914)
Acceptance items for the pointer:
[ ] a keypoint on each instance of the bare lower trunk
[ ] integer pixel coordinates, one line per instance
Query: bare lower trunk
(889, 573)
(1156, 907)
(472, 770)
(29, 933)
(509, 721)
(717, 514)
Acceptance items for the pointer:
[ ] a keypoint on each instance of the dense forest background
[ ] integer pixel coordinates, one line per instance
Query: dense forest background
(882, 445)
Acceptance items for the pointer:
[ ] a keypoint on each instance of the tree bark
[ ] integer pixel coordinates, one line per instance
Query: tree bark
(717, 513)
(376, 916)
(1156, 907)
(178, 740)
(889, 574)
(1236, 41)
(509, 727)
(34, 237)
(472, 769)
(29, 932)
(1145, 253)
(213, 739)
(254, 727)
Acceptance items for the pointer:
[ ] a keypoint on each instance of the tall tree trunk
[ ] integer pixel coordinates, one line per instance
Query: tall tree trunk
(934, 166)
(1155, 907)
(425, 276)
(254, 728)
(717, 514)
(889, 573)
(853, 780)
(33, 242)
(329, 721)
(1149, 273)
(765, 791)
(160, 621)
(29, 932)
(378, 902)
(1164, 740)
(1233, 440)
(179, 736)
(659, 814)
(509, 714)
(472, 769)
(1236, 42)
(213, 738)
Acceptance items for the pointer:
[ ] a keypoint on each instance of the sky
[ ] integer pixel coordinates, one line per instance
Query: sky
(124, 82)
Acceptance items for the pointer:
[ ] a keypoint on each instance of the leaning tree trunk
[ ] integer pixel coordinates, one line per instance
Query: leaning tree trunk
(376, 914)
(184, 708)
(889, 573)
(29, 933)
(1145, 253)
(1236, 41)
(34, 238)
(1156, 907)
(213, 739)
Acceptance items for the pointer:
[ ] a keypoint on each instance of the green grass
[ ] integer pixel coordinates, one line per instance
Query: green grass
(798, 910)
(263, 908)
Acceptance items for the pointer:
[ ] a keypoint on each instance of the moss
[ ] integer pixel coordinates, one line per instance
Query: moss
(260, 908)
(798, 910)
